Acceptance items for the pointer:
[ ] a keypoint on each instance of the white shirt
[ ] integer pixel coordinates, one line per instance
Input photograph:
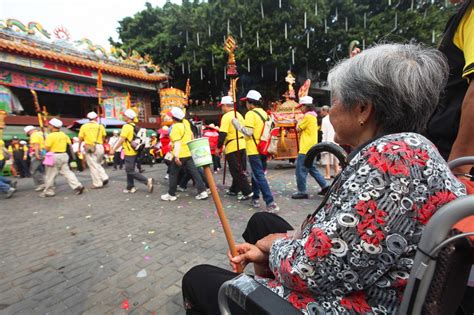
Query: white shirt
(113, 140)
(327, 129)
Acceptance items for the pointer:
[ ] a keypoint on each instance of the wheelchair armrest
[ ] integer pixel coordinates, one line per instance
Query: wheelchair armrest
(252, 297)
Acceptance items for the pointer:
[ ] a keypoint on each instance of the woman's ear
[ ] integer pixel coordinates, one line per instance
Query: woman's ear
(364, 111)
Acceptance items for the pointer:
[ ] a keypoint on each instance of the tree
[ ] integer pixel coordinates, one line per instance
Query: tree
(187, 39)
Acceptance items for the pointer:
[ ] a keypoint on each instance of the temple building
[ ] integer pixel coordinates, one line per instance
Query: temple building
(64, 74)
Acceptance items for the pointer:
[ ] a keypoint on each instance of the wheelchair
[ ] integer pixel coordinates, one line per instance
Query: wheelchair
(438, 278)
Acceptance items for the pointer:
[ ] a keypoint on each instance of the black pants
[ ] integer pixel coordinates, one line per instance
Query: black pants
(201, 283)
(21, 167)
(118, 160)
(216, 162)
(185, 177)
(237, 168)
(188, 165)
(132, 175)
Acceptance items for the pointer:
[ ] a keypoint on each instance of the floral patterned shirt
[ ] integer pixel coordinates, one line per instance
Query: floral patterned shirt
(355, 255)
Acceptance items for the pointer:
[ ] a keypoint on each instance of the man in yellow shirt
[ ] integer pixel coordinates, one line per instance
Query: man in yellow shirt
(57, 143)
(451, 126)
(180, 135)
(308, 134)
(36, 156)
(125, 141)
(2, 155)
(19, 156)
(255, 119)
(235, 152)
(93, 134)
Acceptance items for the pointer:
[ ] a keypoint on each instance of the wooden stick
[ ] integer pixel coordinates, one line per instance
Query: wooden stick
(225, 169)
(221, 213)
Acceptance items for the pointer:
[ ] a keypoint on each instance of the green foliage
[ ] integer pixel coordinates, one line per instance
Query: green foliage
(170, 35)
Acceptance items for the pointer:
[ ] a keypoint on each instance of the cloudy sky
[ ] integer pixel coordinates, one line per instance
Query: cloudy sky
(94, 19)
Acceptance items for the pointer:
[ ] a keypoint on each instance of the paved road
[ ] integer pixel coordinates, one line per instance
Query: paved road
(82, 254)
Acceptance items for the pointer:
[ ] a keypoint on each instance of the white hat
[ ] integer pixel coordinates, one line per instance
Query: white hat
(23, 142)
(92, 115)
(28, 128)
(56, 123)
(75, 139)
(115, 132)
(253, 95)
(177, 113)
(130, 113)
(227, 100)
(306, 100)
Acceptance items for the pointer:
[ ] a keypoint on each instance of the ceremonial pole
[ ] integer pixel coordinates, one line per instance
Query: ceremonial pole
(99, 89)
(39, 113)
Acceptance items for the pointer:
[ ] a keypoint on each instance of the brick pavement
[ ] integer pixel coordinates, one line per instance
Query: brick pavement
(81, 254)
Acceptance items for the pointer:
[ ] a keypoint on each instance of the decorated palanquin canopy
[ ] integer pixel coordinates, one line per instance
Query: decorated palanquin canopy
(32, 58)
(171, 97)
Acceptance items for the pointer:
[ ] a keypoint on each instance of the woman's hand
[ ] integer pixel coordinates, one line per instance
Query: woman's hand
(178, 161)
(247, 253)
(265, 244)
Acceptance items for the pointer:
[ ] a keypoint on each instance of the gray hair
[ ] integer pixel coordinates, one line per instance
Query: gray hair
(325, 108)
(402, 81)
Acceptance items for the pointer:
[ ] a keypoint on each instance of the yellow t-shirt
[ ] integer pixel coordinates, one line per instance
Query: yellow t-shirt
(182, 132)
(92, 133)
(127, 134)
(36, 137)
(227, 127)
(57, 142)
(253, 120)
(17, 147)
(464, 40)
(2, 145)
(309, 132)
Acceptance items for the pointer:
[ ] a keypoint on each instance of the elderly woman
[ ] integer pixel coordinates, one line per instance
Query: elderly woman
(354, 254)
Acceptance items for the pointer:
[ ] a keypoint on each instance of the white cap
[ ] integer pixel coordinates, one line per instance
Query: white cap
(253, 95)
(227, 100)
(130, 113)
(177, 113)
(306, 100)
(75, 139)
(92, 115)
(23, 142)
(115, 132)
(28, 128)
(56, 123)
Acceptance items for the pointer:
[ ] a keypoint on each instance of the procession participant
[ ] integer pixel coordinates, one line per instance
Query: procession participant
(451, 126)
(180, 135)
(328, 134)
(308, 134)
(212, 133)
(255, 119)
(93, 134)
(375, 209)
(7, 186)
(78, 154)
(3, 151)
(19, 156)
(236, 154)
(126, 137)
(36, 155)
(57, 143)
(165, 147)
(118, 161)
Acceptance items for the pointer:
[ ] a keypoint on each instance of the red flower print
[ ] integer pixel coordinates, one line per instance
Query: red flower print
(357, 302)
(273, 284)
(300, 301)
(373, 219)
(433, 203)
(318, 244)
(397, 148)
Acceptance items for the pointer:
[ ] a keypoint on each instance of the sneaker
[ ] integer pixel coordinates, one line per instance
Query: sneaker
(272, 208)
(167, 176)
(39, 188)
(179, 188)
(105, 182)
(13, 184)
(323, 191)
(202, 196)
(149, 184)
(209, 191)
(255, 203)
(230, 193)
(130, 191)
(44, 195)
(168, 197)
(96, 187)
(299, 195)
(245, 197)
(79, 190)
(10, 193)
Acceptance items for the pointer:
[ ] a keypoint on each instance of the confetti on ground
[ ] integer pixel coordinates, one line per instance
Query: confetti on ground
(36, 212)
(142, 274)
(61, 217)
(143, 243)
(125, 305)
(147, 196)
(89, 205)
(67, 227)
(133, 209)
(147, 257)
(185, 242)
(88, 216)
(127, 199)
(213, 231)
(101, 266)
(129, 235)
(151, 232)
(66, 198)
(147, 247)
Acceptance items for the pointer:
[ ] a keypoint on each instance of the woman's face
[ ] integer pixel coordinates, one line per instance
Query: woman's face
(345, 123)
